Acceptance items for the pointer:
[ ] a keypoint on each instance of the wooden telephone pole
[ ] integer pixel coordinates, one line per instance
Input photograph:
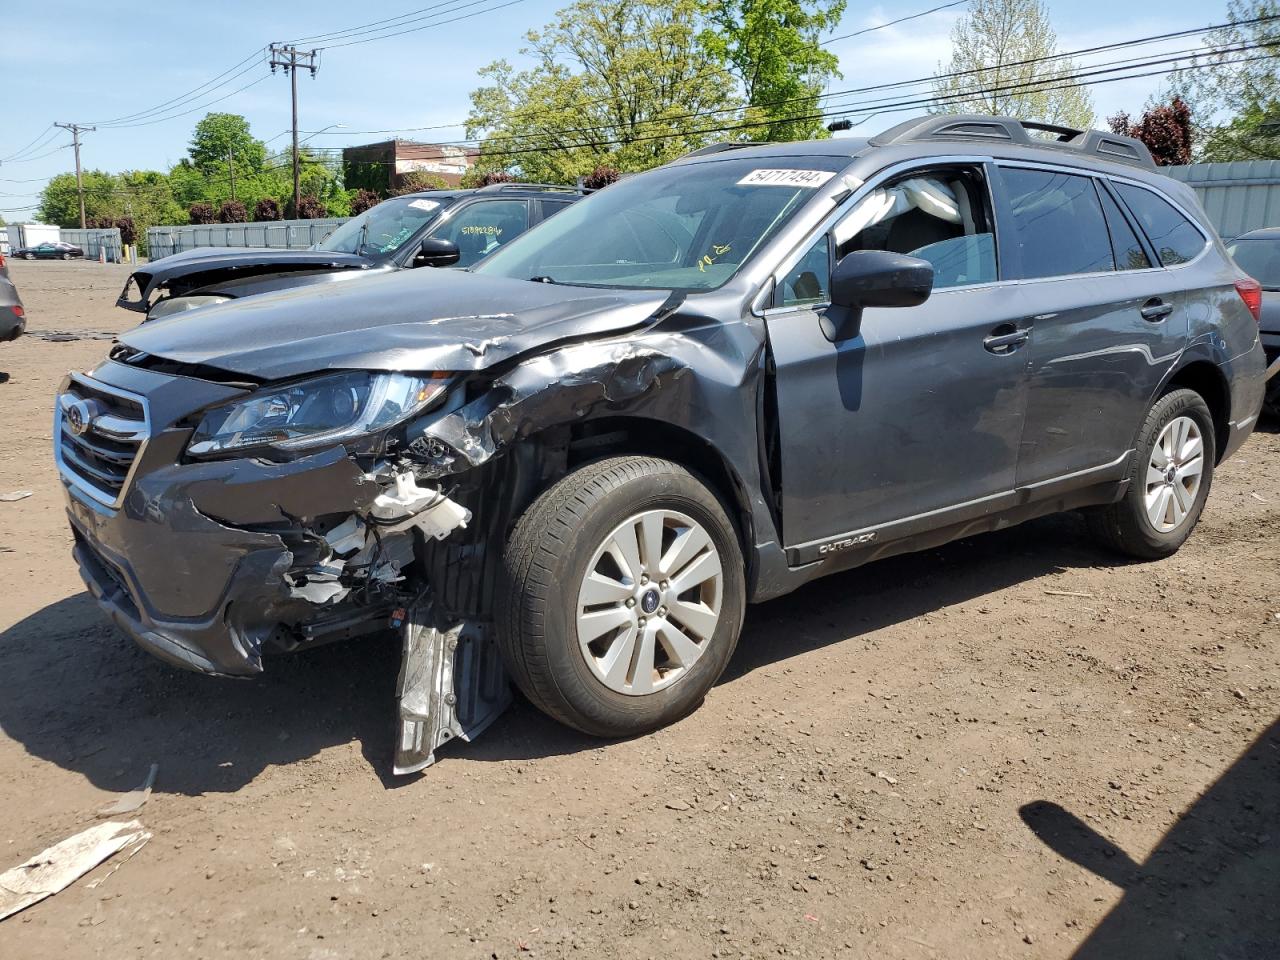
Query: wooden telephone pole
(291, 58)
(76, 129)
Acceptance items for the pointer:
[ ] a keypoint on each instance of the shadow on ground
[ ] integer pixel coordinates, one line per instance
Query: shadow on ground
(1211, 887)
(75, 692)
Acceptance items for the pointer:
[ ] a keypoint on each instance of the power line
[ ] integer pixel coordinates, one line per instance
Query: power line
(364, 26)
(189, 95)
(427, 26)
(914, 16)
(44, 135)
(195, 109)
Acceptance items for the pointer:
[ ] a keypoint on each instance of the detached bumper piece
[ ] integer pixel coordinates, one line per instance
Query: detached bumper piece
(452, 685)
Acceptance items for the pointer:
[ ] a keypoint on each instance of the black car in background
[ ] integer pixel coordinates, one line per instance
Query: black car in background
(1258, 254)
(50, 250)
(434, 228)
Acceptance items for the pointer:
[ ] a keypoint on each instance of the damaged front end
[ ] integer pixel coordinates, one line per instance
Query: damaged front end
(212, 562)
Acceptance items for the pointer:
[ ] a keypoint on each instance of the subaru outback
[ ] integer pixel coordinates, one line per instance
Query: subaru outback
(574, 464)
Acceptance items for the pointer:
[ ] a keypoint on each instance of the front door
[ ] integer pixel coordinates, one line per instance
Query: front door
(918, 418)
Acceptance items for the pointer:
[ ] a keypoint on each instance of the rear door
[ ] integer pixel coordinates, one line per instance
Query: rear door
(1109, 321)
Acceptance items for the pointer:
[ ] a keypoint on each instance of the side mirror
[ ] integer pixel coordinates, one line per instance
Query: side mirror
(436, 252)
(873, 278)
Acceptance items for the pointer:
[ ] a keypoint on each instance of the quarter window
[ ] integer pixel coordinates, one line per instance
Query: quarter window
(1175, 238)
(1124, 242)
(1058, 223)
(809, 280)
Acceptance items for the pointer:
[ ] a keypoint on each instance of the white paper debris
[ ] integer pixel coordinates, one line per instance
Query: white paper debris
(64, 863)
(15, 495)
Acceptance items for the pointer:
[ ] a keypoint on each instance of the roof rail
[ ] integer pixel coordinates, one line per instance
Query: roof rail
(720, 148)
(1106, 145)
(550, 187)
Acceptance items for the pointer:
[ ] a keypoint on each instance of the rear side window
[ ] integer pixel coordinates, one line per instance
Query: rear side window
(1175, 239)
(1124, 242)
(1058, 223)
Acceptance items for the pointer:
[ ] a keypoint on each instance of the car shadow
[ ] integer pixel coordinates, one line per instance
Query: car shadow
(77, 693)
(1210, 888)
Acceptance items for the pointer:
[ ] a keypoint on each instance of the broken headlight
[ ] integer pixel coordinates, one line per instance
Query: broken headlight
(317, 412)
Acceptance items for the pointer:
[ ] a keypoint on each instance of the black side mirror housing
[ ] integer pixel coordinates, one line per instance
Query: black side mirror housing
(436, 252)
(873, 278)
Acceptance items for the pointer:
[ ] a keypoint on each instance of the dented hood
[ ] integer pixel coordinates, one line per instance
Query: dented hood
(414, 320)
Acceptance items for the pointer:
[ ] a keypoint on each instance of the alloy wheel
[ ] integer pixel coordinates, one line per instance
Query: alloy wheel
(650, 601)
(1174, 474)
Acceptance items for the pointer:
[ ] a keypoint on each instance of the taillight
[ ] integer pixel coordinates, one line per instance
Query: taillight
(1250, 291)
(17, 311)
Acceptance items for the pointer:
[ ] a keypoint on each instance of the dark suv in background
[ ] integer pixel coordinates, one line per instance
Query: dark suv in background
(1258, 254)
(433, 228)
(577, 462)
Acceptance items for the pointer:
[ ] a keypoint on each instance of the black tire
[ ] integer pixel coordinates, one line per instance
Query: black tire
(66, 256)
(1124, 526)
(546, 560)
(28, 256)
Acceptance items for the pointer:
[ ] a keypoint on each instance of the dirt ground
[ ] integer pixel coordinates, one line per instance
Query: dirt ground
(1015, 746)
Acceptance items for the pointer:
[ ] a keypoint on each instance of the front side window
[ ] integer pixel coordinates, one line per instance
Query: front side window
(939, 216)
(1058, 223)
(684, 227)
(809, 281)
(483, 227)
(382, 230)
(1175, 239)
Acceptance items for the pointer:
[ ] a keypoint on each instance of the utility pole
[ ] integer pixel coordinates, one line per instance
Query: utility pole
(76, 129)
(291, 58)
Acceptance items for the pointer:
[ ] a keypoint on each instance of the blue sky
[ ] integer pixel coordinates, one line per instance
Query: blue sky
(86, 61)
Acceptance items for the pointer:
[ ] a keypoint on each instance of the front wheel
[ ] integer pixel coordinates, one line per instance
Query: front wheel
(622, 597)
(28, 256)
(1169, 480)
(66, 256)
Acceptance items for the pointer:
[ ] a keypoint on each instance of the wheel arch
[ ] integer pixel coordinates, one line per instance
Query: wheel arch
(1206, 379)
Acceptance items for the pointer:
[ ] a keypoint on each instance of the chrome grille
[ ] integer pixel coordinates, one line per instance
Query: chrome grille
(99, 432)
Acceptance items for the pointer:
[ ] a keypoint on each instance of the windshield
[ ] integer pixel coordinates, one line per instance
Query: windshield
(1260, 259)
(689, 226)
(382, 230)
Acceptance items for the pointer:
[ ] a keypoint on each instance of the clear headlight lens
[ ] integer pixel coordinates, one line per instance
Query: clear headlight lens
(174, 305)
(317, 412)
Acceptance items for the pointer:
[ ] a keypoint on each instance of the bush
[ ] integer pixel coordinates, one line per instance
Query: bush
(233, 211)
(1165, 129)
(490, 177)
(128, 230)
(362, 201)
(417, 180)
(267, 209)
(600, 177)
(201, 213)
(309, 208)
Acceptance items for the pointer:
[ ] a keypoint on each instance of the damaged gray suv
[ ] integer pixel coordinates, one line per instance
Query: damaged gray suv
(575, 463)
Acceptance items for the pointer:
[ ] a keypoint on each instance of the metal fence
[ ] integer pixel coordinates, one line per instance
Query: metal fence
(276, 234)
(1238, 197)
(94, 240)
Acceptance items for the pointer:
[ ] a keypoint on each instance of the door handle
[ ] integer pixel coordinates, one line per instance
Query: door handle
(1006, 338)
(1156, 310)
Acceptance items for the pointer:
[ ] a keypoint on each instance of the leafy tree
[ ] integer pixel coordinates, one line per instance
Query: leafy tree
(476, 177)
(363, 200)
(1240, 100)
(985, 42)
(600, 177)
(202, 213)
(416, 181)
(267, 209)
(221, 138)
(773, 47)
(613, 81)
(1166, 130)
(233, 211)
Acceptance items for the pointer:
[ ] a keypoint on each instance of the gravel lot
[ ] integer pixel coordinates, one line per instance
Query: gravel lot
(1015, 746)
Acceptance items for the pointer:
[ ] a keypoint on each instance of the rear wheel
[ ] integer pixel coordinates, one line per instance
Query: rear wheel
(1169, 479)
(28, 256)
(66, 256)
(623, 596)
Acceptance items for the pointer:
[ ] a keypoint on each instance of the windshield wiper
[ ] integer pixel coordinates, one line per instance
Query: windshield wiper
(543, 279)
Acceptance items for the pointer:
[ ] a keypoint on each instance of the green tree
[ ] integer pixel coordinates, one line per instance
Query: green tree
(613, 82)
(1238, 93)
(988, 47)
(773, 47)
(221, 138)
